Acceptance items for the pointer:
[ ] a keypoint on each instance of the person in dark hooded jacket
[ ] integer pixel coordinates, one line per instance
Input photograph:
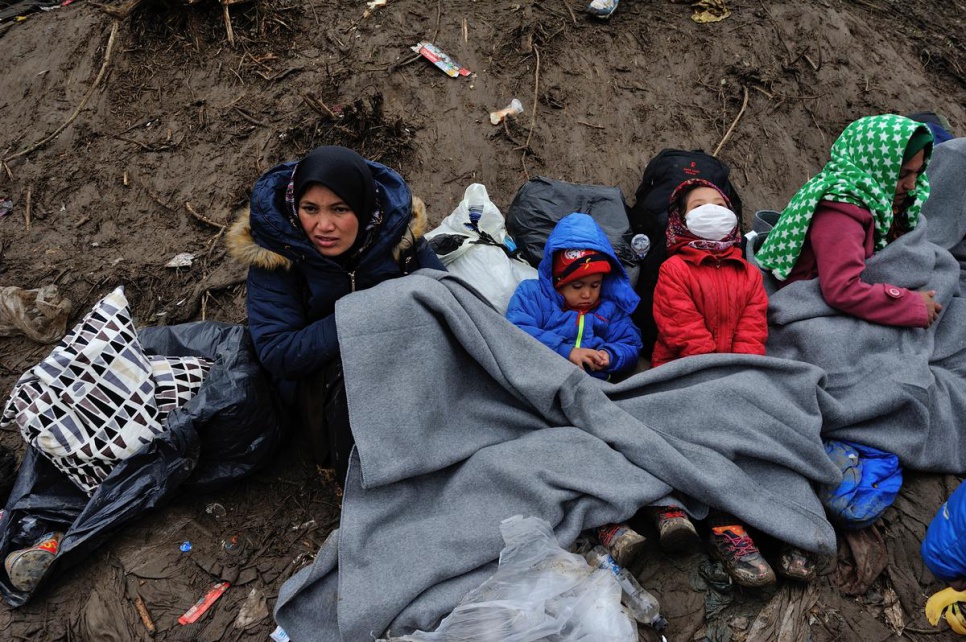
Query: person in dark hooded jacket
(592, 328)
(319, 229)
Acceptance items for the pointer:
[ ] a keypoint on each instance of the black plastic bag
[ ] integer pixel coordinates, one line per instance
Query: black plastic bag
(227, 430)
(542, 202)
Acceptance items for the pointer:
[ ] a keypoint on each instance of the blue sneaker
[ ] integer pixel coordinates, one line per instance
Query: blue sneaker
(602, 8)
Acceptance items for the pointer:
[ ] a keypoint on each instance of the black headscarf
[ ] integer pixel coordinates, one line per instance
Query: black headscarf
(344, 172)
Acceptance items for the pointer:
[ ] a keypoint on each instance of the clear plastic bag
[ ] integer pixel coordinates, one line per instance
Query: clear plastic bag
(539, 593)
(39, 314)
(473, 244)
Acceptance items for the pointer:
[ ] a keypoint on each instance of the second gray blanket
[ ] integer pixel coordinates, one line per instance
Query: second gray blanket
(902, 390)
(462, 420)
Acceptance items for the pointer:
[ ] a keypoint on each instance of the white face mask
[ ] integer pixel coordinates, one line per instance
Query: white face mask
(710, 221)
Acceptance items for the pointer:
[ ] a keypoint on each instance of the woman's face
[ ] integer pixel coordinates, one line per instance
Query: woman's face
(703, 196)
(327, 220)
(908, 174)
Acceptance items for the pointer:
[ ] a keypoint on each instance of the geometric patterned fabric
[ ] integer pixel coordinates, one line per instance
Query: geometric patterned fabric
(93, 401)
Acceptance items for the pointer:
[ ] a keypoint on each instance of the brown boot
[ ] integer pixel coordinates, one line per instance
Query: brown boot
(732, 546)
(796, 564)
(623, 543)
(676, 531)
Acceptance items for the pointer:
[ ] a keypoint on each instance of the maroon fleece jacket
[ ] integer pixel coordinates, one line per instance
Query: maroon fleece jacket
(839, 240)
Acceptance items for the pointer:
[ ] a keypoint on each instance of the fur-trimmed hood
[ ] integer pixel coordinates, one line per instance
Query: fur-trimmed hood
(263, 237)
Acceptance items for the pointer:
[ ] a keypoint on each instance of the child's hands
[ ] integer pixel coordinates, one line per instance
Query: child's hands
(932, 306)
(590, 359)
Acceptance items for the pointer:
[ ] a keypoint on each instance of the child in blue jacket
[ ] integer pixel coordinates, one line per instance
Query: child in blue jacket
(580, 305)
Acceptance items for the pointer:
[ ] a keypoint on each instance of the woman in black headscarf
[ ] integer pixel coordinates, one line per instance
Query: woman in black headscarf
(320, 228)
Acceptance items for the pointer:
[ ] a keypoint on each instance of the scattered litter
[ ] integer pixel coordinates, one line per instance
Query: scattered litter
(236, 544)
(201, 606)
(432, 53)
(372, 6)
(183, 260)
(185, 546)
(216, 510)
(305, 525)
(515, 107)
(6, 206)
(40, 314)
(143, 613)
(279, 635)
(253, 610)
(710, 11)
(893, 611)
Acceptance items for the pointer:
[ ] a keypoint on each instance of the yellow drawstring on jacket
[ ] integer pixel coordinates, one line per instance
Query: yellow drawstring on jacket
(951, 604)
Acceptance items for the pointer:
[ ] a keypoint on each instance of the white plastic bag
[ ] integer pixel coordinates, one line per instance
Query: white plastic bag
(539, 593)
(470, 242)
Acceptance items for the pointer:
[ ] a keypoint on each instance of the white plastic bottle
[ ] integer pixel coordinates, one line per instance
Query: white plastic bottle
(642, 606)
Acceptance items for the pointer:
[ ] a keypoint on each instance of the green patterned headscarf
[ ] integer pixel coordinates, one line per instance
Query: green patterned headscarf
(863, 170)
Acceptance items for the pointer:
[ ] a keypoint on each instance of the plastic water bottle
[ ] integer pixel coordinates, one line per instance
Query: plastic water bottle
(640, 245)
(476, 200)
(642, 606)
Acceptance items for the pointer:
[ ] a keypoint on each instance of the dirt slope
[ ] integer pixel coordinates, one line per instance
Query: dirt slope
(181, 116)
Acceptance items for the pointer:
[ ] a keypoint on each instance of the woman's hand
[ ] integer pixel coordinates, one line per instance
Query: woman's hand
(933, 308)
(590, 359)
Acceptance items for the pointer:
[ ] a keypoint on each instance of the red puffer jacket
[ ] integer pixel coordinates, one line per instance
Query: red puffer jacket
(706, 302)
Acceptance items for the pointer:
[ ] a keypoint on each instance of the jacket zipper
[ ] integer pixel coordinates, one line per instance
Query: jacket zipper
(580, 329)
(352, 281)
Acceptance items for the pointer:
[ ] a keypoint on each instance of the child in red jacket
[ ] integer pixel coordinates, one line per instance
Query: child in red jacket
(709, 299)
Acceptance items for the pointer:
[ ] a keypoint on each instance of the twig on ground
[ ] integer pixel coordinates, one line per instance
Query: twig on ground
(26, 214)
(228, 29)
(533, 112)
(744, 105)
(6, 168)
(439, 14)
(318, 105)
(393, 67)
(143, 146)
(591, 125)
(572, 16)
(202, 217)
(254, 121)
(83, 102)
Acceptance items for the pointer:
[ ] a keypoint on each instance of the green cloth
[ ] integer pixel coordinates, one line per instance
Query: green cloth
(863, 170)
(917, 143)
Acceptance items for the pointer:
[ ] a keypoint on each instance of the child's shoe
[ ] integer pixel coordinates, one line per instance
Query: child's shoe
(623, 543)
(26, 567)
(796, 564)
(676, 531)
(732, 546)
(602, 9)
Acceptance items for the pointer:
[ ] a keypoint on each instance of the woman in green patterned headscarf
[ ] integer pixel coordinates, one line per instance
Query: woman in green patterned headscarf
(868, 194)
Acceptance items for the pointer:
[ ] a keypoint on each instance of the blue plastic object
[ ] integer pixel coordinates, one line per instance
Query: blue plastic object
(871, 481)
(944, 547)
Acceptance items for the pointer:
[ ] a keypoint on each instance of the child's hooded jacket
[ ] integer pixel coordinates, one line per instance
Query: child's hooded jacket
(538, 309)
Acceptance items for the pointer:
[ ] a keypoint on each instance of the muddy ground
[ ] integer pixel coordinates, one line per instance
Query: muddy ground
(177, 123)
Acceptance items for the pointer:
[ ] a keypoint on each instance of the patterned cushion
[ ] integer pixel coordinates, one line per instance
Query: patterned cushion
(91, 403)
(176, 380)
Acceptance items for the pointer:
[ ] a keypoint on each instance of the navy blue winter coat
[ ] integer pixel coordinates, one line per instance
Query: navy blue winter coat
(538, 309)
(292, 289)
(944, 547)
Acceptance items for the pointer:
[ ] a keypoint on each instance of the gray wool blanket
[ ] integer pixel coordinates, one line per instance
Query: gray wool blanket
(945, 209)
(902, 390)
(461, 420)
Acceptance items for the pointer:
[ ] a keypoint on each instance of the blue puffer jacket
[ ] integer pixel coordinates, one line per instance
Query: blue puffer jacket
(944, 547)
(538, 308)
(292, 289)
